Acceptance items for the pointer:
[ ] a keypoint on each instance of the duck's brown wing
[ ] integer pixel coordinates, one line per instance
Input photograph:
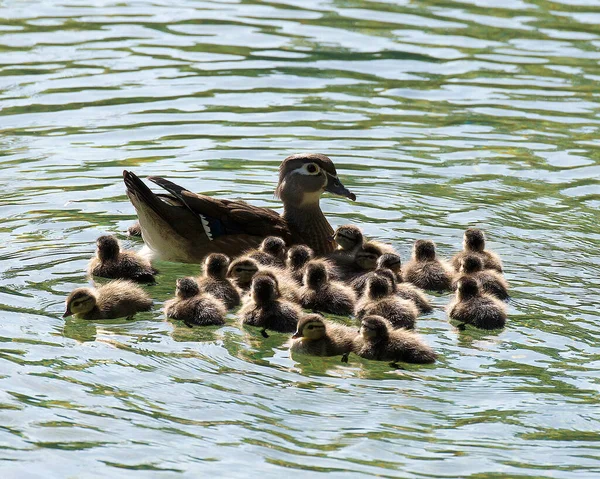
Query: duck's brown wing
(226, 217)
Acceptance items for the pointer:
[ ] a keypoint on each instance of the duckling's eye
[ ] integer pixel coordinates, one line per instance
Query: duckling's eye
(310, 327)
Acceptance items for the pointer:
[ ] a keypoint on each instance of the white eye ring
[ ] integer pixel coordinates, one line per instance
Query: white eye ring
(311, 169)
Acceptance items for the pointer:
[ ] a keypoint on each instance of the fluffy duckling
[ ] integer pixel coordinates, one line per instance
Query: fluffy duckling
(348, 238)
(474, 243)
(490, 280)
(365, 260)
(376, 340)
(266, 309)
(116, 299)
(318, 337)
(425, 270)
(297, 257)
(379, 300)
(111, 262)
(473, 307)
(407, 291)
(320, 293)
(214, 280)
(194, 307)
(271, 252)
(387, 261)
(242, 270)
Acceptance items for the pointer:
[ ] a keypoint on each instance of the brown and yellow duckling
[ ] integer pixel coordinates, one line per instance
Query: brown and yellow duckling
(271, 252)
(116, 299)
(474, 243)
(112, 262)
(407, 291)
(490, 281)
(365, 260)
(297, 257)
(425, 270)
(387, 261)
(378, 299)
(193, 307)
(471, 306)
(320, 293)
(316, 337)
(377, 340)
(350, 239)
(266, 309)
(242, 270)
(214, 280)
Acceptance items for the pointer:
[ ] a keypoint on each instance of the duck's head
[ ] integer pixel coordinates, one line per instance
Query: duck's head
(242, 269)
(366, 257)
(298, 256)
(186, 288)
(389, 275)
(107, 247)
(264, 288)
(216, 265)
(304, 177)
(378, 287)
(310, 327)
(373, 327)
(474, 240)
(274, 246)
(424, 250)
(467, 288)
(471, 263)
(348, 237)
(80, 301)
(316, 274)
(390, 261)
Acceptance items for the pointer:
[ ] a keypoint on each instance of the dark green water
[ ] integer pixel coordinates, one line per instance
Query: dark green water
(439, 115)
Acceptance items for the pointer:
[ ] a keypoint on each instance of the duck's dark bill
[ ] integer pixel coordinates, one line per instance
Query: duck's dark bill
(335, 186)
(67, 314)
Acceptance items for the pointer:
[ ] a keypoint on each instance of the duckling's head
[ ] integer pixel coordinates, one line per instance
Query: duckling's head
(471, 263)
(310, 327)
(80, 301)
(348, 237)
(373, 327)
(242, 269)
(378, 287)
(366, 257)
(108, 248)
(298, 256)
(316, 274)
(186, 288)
(424, 250)
(389, 275)
(304, 177)
(274, 246)
(390, 261)
(215, 265)
(265, 288)
(474, 240)
(467, 287)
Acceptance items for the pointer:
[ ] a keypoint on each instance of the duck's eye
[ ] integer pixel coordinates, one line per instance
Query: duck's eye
(312, 168)
(310, 327)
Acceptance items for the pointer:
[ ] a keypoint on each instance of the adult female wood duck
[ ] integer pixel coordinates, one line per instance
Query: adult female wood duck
(185, 226)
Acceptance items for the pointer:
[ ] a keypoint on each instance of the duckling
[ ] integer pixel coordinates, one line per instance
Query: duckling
(387, 261)
(349, 239)
(317, 337)
(215, 282)
(271, 252)
(135, 229)
(425, 270)
(376, 340)
(194, 307)
(111, 262)
(378, 300)
(474, 243)
(365, 260)
(473, 307)
(490, 280)
(297, 257)
(116, 299)
(407, 291)
(266, 309)
(242, 270)
(319, 293)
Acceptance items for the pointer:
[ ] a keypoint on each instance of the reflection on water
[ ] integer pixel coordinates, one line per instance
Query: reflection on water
(439, 115)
